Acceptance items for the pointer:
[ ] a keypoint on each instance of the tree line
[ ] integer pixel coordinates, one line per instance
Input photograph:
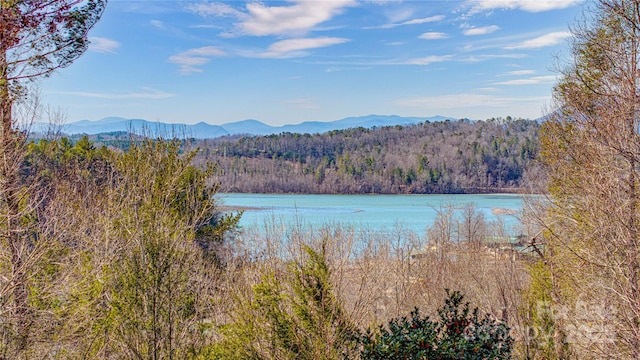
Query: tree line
(462, 156)
(123, 253)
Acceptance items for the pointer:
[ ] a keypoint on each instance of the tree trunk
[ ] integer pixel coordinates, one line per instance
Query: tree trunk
(11, 156)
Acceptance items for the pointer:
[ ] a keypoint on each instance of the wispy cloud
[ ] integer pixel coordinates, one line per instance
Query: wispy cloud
(526, 5)
(157, 23)
(333, 69)
(214, 9)
(547, 79)
(302, 103)
(485, 57)
(519, 72)
(474, 31)
(396, 14)
(382, 2)
(296, 47)
(542, 41)
(103, 45)
(191, 60)
(453, 101)
(430, 59)
(456, 101)
(148, 93)
(424, 20)
(433, 36)
(409, 22)
(427, 60)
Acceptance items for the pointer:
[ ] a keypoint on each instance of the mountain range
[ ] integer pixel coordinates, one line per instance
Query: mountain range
(204, 130)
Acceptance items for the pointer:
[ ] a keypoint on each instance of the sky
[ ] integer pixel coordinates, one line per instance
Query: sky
(286, 62)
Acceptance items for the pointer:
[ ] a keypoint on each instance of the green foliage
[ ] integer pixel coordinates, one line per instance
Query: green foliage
(49, 162)
(164, 205)
(540, 341)
(295, 317)
(55, 33)
(458, 334)
(321, 321)
(134, 275)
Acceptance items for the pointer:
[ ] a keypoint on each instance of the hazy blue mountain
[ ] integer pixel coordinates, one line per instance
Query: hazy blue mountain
(251, 127)
(368, 121)
(203, 130)
(140, 126)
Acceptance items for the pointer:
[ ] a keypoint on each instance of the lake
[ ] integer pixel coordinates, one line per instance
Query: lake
(413, 212)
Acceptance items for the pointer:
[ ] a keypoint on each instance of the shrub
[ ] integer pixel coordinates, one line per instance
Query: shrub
(458, 334)
(291, 315)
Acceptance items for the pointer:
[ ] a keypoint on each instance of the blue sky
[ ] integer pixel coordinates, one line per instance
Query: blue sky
(287, 62)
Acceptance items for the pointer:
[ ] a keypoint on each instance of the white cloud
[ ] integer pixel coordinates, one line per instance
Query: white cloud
(424, 20)
(481, 30)
(397, 14)
(190, 60)
(526, 5)
(453, 101)
(456, 101)
(296, 19)
(382, 2)
(296, 47)
(433, 36)
(103, 45)
(334, 69)
(482, 105)
(548, 79)
(205, 26)
(430, 59)
(214, 9)
(485, 57)
(147, 94)
(157, 23)
(206, 51)
(542, 41)
(519, 72)
(409, 22)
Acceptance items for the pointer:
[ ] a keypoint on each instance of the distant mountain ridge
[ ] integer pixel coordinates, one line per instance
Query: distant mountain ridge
(204, 130)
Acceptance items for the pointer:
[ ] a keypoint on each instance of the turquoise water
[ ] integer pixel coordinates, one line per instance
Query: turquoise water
(413, 212)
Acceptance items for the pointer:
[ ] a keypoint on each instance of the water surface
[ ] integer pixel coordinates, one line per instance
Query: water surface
(414, 212)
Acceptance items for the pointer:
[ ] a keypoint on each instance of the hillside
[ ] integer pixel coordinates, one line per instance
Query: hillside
(430, 157)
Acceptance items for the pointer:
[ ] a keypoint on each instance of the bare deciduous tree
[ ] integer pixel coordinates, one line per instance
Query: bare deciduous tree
(591, 148)
(36, 38)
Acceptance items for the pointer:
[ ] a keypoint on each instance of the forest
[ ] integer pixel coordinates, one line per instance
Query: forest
(123, 252)
(496, 155)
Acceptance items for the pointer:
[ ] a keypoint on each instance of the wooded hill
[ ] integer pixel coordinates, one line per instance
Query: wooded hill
(461, 156)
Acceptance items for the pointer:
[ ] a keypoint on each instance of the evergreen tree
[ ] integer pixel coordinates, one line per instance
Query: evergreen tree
(459, 333)
(36, 37)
